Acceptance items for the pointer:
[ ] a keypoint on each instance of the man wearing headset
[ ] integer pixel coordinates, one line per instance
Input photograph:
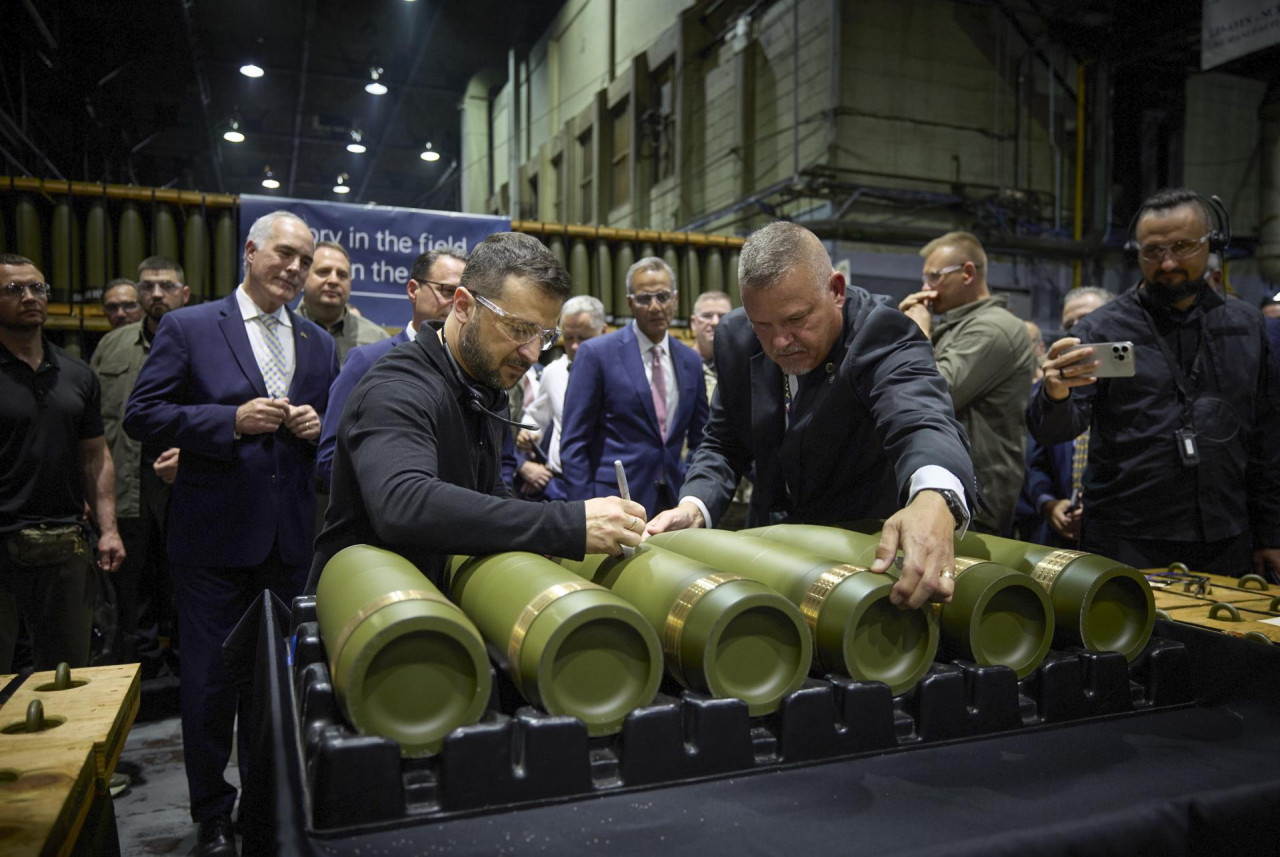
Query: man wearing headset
(416, 469)
(1184, 457)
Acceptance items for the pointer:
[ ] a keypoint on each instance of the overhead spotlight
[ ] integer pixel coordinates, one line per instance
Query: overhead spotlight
(233, 134)
(269, 180)
(342, 186)
(429, 154)
(252, 69)
(355, 146)
(374, 86)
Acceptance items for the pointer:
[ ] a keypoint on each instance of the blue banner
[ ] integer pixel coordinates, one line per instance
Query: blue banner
(383, 243)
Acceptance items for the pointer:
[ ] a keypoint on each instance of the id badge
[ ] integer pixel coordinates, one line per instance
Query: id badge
(1188, 448)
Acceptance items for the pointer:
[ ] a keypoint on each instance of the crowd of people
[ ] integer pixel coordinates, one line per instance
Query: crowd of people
(209, 452)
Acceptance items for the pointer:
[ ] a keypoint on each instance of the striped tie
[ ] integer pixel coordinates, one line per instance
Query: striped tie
(274, 371)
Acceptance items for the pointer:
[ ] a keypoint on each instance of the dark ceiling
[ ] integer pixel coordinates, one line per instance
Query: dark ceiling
(140, 92)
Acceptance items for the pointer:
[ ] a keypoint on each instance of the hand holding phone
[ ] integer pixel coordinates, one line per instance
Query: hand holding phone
(1114, 359)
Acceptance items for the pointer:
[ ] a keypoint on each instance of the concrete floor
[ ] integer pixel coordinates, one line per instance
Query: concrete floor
(153, 815)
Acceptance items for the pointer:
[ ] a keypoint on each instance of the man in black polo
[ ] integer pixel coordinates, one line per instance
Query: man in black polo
(53, 458)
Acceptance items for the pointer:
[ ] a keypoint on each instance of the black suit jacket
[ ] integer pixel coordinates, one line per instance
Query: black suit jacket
(870, 415)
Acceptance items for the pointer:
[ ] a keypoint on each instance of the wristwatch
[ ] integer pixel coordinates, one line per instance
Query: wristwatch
(956, 506)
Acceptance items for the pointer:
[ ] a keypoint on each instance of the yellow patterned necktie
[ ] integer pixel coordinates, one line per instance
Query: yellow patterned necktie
(274, 371)
(1079, 458)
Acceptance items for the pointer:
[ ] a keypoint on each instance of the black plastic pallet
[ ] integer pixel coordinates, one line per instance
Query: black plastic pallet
(519, 755)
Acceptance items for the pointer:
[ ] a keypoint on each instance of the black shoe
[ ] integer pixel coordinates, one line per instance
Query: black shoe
(217, 838)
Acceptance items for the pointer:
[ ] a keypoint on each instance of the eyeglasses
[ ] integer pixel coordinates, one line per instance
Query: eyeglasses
(17, 290)
(932, 278)
(522, 332)
(647, 299)
(445, 290)
(148, 286)
(123, 306)
(1178, 249)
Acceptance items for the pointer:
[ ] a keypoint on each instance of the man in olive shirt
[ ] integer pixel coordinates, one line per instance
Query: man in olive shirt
(985, 356)
(143, 473)
(325, 296)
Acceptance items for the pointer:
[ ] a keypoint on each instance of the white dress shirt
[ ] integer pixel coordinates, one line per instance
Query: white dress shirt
(668, 369)
(249, 311)
(547, 407)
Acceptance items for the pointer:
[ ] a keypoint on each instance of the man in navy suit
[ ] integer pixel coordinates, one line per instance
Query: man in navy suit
(636, 395)
(240, 385)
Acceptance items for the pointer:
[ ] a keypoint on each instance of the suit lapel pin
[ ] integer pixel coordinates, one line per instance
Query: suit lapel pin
(831, 368)
(302, 333)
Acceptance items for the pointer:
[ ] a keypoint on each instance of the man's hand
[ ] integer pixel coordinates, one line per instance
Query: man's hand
(304, 422)
(924, 530)
(613, 522)
(919, 307)
(1063, 517)
(1266, 562)
(683, 517)
(110, 551)
(526, 440)
(535, 476)
(1064, 368)
(166, 466)
(261, 416)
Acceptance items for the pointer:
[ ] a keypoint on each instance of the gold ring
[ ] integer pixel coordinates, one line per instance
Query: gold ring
(634, 522)
(948, 574)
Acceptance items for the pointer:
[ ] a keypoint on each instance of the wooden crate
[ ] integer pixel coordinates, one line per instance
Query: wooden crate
(99, 711)
(45, 794)
(1249, 622)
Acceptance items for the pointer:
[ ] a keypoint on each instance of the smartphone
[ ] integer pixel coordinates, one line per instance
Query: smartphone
(1115, 359)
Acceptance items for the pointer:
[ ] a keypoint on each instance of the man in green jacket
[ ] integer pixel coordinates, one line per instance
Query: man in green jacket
(986, 358)
(143, 474)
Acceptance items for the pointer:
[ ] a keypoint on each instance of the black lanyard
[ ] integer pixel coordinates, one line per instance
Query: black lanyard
(1184, 383)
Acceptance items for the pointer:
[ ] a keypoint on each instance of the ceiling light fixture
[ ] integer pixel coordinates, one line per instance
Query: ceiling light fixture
(252, 69)
(429, 154)
(233, 134)
(374, 86)
(342, 186)
(355, 146)
(269, 180)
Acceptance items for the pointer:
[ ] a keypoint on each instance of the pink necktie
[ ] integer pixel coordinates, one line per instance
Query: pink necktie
(658, 386)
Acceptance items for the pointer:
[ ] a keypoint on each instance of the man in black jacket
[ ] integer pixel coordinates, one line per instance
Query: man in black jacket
(836, 399)
(416, 469)
(1184, 457)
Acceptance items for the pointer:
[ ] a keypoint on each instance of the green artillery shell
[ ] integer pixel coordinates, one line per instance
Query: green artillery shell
(571, 647)
(406, 663)
(722, 634)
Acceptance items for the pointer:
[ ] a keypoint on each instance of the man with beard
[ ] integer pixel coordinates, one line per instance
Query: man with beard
(239, 384)
(636, 396)
(416, 469)
(144, 471)
(433, 278)
(1184, 457)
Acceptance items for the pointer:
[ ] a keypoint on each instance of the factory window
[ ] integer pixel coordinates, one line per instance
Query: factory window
(586, 211)
(553, 187)
(659, 122)
(620, 121)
